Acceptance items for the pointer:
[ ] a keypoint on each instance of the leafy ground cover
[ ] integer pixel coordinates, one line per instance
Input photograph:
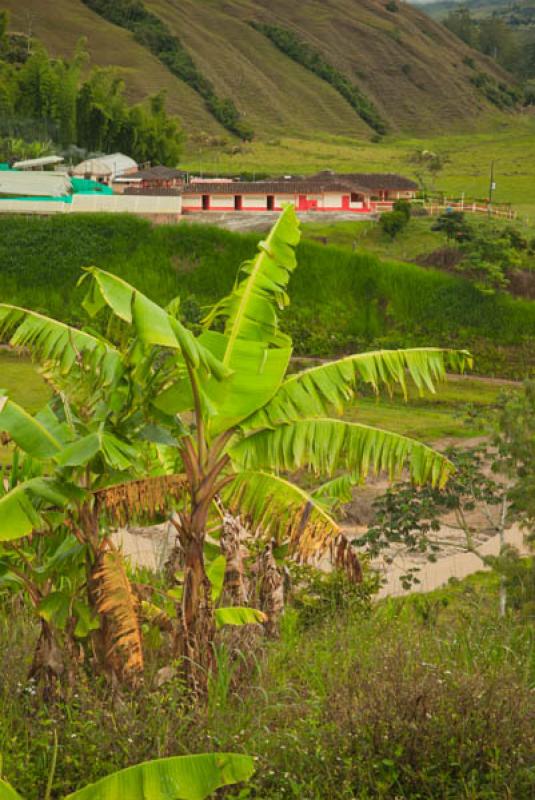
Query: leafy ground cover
(430, 696)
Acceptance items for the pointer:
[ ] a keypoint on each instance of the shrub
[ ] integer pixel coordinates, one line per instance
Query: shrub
(404, 207)
(393, 223)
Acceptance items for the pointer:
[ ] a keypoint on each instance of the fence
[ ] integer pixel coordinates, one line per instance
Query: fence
(471, 208)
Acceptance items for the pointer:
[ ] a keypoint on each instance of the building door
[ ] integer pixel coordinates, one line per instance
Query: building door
(270, 202)
(206, 202)
(237, 202)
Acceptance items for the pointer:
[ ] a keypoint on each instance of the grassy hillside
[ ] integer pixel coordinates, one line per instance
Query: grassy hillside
(414, 71)
(340, 300)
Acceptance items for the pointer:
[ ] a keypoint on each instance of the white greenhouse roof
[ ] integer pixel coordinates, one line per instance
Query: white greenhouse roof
(115, 164)
(35, 163)
(34, 184)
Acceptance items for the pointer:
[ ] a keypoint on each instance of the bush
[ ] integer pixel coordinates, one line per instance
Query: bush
(393, 223)
(404, 207)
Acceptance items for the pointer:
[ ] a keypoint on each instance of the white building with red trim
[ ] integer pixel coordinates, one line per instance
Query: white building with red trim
(359, 193)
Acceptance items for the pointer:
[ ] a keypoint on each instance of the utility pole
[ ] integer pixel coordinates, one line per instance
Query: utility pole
(492, 186)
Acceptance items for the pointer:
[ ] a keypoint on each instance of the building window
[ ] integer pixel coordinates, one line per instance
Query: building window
(205, 202)
(356, 198)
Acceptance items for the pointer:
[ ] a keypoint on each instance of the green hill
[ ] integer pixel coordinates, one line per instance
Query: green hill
(415, 74)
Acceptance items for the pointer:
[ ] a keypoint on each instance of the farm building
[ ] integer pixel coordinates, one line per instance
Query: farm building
(309, 194)
(158, 177)
(325, 191)
(105, 169)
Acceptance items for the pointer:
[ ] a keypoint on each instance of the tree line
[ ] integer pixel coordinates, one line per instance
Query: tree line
(495, 38)
(57, 99)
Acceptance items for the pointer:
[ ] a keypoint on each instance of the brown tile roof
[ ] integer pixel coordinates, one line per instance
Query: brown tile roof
(371, 180)
(303, 186)
(159, 172)
(154, 191)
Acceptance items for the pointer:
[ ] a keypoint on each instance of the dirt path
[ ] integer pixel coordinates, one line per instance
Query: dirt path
(244, 222)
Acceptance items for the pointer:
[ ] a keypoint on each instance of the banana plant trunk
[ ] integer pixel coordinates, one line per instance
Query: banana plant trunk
(48, 662)
(197, 619)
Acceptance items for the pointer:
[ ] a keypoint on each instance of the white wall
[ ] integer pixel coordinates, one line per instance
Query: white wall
(192, 201)
(332, 200)
(254, 201)
(84, 203)
(132, 203)
(33, 207)
(222, 201)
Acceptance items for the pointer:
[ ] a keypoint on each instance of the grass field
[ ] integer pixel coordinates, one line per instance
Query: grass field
(431, 417)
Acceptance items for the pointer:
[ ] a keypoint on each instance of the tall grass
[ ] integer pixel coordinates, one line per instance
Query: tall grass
(339, 299)
(425, 698)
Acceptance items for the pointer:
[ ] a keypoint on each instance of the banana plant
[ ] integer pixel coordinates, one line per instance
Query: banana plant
(246, 424)
(179, 778)
(241, 423)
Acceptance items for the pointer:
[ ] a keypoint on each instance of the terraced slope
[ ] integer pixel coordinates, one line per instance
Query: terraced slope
(415, 73)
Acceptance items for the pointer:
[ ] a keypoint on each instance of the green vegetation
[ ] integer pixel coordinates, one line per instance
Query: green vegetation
(151, 32)
(505, 32)
(342, 301)
(64, 104)
(21, 381)
(443, 705)
(106, 667)
(117, 399)
(430, 418)
(288, 41)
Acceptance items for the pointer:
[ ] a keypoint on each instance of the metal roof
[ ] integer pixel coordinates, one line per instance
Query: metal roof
(33, 163)
(34, 184)
(115, 164)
